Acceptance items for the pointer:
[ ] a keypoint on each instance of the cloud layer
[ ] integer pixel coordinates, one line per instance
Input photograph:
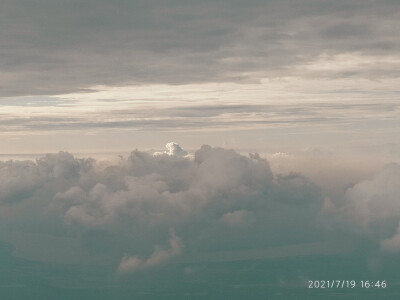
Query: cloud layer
(53, 47)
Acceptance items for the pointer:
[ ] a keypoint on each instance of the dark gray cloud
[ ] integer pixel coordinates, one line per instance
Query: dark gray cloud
(49, 47)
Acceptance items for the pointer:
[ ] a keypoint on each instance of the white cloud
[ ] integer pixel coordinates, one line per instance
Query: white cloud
(173, 149)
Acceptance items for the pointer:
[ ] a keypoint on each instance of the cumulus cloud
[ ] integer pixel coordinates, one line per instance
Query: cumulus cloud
(369, 210)
(175, 149)
(375, 201)
(392, 244)
(172, 149)
(127, 206)
(132, 263)
(218, 200)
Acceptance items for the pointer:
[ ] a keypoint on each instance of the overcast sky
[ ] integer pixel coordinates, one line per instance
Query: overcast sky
(107, 76)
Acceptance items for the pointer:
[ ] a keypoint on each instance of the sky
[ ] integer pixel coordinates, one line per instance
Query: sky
(218, 149)
(90, 76)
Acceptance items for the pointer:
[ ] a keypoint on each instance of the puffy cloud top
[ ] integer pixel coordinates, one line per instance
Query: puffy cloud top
(145, 210)
(150, 205)
(172, 149)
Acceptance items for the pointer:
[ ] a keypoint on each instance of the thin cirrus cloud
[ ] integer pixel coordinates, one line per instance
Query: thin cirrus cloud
(196, 117)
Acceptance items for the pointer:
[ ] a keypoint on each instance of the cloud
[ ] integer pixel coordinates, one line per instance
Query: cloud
(132, 263)
(368, 211)
(392, 244)
(120, 212)
(236, 218)
(375, 201)
(216, 200)
(117, 113)
(173, 149)
(54, 47)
